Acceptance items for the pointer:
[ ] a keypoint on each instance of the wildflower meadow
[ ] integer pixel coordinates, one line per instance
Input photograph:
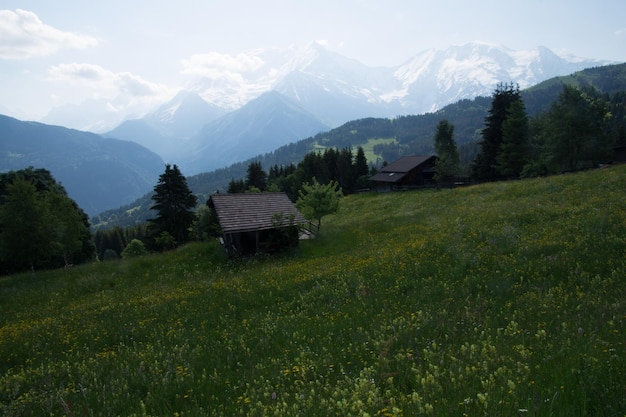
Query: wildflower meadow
(501, 299)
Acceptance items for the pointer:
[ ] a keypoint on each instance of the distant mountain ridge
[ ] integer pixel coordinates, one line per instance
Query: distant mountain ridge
(98, 173)
(264, 124)
(331, 90)
(413, 134)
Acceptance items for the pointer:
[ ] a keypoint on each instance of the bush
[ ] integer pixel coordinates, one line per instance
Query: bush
(134, 248)
(109, 254)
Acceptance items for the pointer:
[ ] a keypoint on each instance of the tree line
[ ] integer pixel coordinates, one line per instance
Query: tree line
(41, 227)
(580, 130)
(350, 171)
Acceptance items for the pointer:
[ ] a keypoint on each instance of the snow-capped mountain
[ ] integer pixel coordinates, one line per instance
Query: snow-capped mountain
(337, 89)
(184, 115)
(167, 130)
(434, 78)
(327, 87)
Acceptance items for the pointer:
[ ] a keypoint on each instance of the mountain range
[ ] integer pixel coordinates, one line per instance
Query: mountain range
(299, 92)
(291, 95)
(98, 173)
(386, 139)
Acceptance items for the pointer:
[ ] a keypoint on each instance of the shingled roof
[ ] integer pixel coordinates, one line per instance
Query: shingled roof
(252, 211)
(397, 170)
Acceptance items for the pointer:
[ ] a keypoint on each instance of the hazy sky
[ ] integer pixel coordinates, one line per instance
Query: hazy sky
(142, 52)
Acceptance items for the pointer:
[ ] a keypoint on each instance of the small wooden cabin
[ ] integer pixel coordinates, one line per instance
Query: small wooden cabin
(408, 171)
(256, 222)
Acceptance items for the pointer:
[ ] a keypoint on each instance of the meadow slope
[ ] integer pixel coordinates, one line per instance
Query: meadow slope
(498, 299)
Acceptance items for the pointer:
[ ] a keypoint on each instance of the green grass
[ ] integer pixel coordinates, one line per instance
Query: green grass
(505, 299)
(368, 147)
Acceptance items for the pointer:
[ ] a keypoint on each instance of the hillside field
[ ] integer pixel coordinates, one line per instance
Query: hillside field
(502, 299)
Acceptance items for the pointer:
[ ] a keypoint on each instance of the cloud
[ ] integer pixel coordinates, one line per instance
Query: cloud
(216, 65)
(103, 82)
(100, 81)
(109, 94)
(23, 35)
(620, 32)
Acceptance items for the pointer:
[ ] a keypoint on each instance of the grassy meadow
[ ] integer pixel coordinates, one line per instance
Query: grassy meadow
(503, 299)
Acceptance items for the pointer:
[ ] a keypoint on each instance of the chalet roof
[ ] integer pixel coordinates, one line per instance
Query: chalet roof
(252, 211)
(388, 177)
(397, 170)
(407, 163)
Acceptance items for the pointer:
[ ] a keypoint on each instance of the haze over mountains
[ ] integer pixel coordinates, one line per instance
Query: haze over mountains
(283, 96)
(98, 173)
(320, 89)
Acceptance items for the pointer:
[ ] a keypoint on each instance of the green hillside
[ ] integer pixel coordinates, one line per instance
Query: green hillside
(389, 139)
(503, 299)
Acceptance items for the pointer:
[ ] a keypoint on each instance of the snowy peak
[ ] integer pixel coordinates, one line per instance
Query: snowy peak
(428, 81)
(434, 78)
(183, 115)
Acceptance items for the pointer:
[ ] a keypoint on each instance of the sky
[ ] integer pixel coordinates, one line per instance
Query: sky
(137, 54)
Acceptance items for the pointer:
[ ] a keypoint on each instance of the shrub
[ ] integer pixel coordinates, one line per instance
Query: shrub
(134, 248)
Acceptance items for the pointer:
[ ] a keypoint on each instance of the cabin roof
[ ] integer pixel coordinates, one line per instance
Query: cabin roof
(247, 212)
(407, 163)
(397, 170)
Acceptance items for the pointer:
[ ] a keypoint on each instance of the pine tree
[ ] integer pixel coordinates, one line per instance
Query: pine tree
(236, 186)
(485, 164)
(174, 205)
(514, 151)
(448, 163)
(576, 130)
(361, 169)
(360, 163)
(256, 177)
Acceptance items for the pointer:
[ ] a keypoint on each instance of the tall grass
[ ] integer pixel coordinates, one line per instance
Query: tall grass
(499, 299)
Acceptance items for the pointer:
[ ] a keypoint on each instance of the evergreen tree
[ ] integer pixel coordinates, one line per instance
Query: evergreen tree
(514, 151)
(256, 177)
(345, 170)
(360, 163)
(485, 164)
(448, 164)
(174, 205)
(576, 130)
(313, 166)
(361, 169)
(236, 186)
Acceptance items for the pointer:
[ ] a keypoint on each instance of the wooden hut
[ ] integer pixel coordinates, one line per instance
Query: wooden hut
(256, 222)
(406, 172)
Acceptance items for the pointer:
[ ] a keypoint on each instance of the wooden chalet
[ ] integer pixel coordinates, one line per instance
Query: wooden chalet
(256, 222)
(406, 172)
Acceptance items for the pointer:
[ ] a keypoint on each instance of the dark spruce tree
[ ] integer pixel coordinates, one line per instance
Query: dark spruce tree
(514, 151)
(256, 178)
(236, 186)
(174, 204)
(485, 166)
(361, 169)
(576, 130)
(448, 164)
